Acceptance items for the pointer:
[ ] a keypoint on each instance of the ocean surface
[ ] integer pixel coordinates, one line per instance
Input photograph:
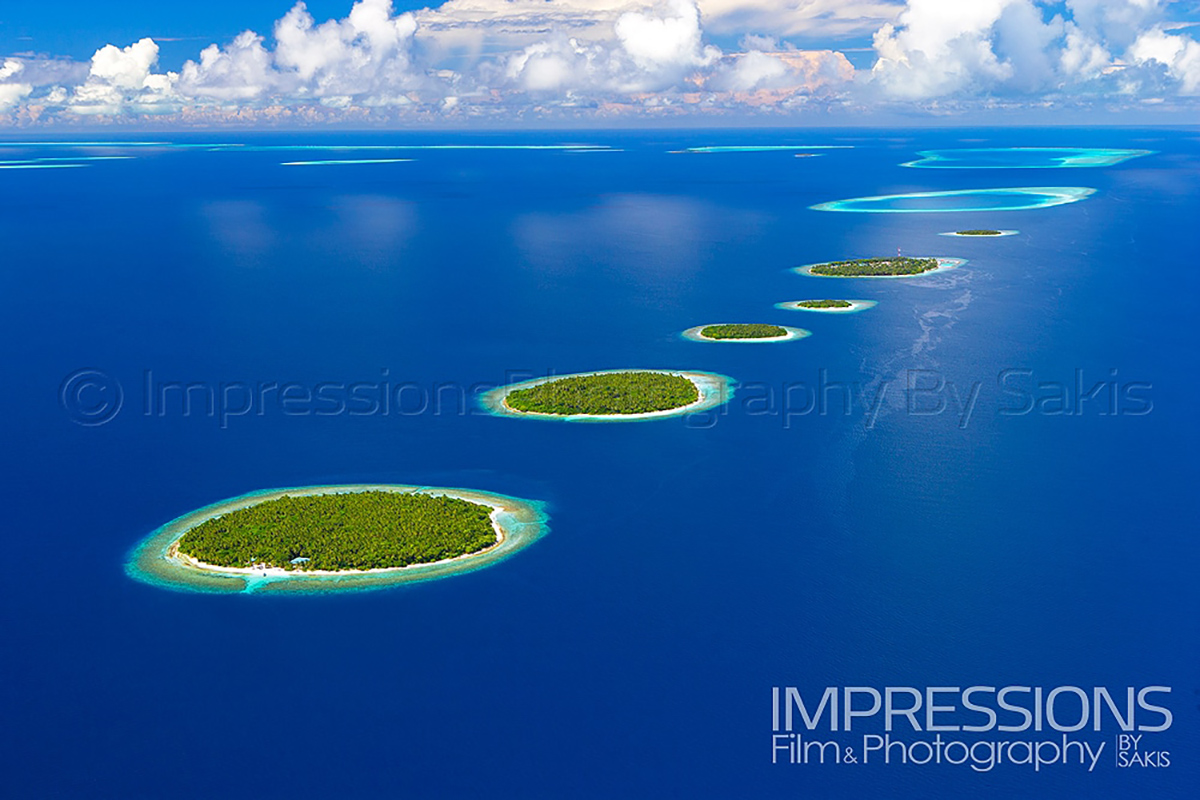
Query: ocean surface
(1045, 536)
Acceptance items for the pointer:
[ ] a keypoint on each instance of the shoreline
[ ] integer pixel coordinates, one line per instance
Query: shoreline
(157, 560)
(944, 264)
(855, 305)
(714, 390)
(790, 335)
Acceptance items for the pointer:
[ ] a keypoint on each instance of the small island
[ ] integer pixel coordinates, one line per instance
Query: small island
(741, 332)
(610, 395)
(888, 266)
(823, 304)
(881, 267)
(827, 306)
(327, 538)
(980, 233)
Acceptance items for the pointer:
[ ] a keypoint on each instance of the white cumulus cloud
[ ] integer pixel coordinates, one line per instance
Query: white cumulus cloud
(12, 91)
(1179, 54)
(947, 48)
(511, 58)
(121, 77)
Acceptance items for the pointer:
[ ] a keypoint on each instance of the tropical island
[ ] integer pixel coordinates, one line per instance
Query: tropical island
(824, 304)
(327, 538)
(827, 306)
(744, 332)
(610, 395)
(881, 267)
(355, 530)
(887, 266)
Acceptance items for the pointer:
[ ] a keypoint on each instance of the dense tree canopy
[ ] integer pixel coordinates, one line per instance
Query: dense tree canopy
(606, 393)
(876, 267)
(742, 331)
(825, 304)
(352, 530)
(979, 232)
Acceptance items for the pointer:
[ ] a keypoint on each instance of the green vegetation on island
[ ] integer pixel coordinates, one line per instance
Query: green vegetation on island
(344, 531)
(743, 331)
(876, 267)
(825, 304)
(606, 393)
(980, 232)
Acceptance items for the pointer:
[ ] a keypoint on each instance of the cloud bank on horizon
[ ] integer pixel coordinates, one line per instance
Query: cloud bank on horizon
(525, 60)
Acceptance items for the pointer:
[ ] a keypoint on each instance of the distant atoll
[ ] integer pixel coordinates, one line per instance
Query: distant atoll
(881, 267)
(763, 148)
(1023, 157)
(335, 538)
(612, 395)
(744, 332)
(827, 306)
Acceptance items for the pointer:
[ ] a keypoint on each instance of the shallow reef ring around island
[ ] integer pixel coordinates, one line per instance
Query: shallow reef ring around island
(1072, 157)
(999, 235)
(855, 305)
(156, 560)
(944, 264)
(714, 390)
(790, 335)
(877, 204)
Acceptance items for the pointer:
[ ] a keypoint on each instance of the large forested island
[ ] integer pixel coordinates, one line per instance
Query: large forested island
(606, 393)
(350, 531)
(980, 232)
(888, 266)
(627, 394)
(335, 538)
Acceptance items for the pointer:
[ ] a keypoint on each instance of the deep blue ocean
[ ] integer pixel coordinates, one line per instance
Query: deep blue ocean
(1046, 538)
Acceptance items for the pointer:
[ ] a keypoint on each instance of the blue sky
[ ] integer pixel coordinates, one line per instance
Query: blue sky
(76, 28)
(605, 61)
